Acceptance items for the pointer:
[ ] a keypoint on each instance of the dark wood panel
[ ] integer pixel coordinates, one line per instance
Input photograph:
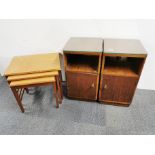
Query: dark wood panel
(80, 85)
(117, 88)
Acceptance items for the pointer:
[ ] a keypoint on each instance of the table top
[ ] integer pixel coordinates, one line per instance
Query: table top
(32, 81)
(123, 46)
(32, 75)
(84, 45)
(33, 64)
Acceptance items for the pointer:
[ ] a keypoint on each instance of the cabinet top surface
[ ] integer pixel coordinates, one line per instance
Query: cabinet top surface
(123, 46)
(33, 64)
(84, 45)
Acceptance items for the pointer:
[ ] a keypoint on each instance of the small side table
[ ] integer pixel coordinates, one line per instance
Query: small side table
(34, 70)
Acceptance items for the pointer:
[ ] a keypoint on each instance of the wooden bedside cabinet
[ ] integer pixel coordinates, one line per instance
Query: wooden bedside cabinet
(82, 57)
(122, 64)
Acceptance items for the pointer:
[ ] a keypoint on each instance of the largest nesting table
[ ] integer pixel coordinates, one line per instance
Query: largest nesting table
(34, 70)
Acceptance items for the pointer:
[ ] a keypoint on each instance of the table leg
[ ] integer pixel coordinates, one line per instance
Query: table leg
(56, 94)
(18, 99)
(60, 83)
(58, 88)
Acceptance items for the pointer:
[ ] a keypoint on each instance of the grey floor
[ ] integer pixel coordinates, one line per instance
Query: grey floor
(74, 117)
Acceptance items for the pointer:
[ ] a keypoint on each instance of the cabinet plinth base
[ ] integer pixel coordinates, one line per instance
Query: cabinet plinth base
(81, 99)
(122, 104)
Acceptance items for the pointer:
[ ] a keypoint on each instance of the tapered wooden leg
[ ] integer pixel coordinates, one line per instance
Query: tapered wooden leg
(58, 89)
(56, 94)
(60, 84)
(18, 99)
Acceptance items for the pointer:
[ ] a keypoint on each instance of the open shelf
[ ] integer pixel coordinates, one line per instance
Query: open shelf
(122, 66)
(122, 71)
(82, 63)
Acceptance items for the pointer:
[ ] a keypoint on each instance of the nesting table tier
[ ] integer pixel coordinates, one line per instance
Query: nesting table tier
(33, 64)
(31, 76)
(27, 71)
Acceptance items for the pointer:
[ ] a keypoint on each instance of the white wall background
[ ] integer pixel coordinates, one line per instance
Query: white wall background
(20, 37)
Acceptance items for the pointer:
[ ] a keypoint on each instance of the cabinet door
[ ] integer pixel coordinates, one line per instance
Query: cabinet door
(117, 89)
(80, 85)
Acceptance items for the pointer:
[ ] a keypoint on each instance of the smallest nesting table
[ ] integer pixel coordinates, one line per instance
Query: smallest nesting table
(34, 70)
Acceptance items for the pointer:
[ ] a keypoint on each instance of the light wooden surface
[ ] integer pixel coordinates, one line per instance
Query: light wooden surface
(84, 45)
(81, 68)
(119, 71)
(31, 76)
(33, 64)
(123, 46)
(32, 81)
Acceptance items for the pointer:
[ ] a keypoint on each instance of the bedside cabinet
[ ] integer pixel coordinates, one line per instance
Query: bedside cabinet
(122, 64)
(82, 57)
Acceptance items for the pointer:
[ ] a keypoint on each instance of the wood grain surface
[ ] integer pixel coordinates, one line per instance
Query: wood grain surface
(32, 81)
(33, 64)
(117, 88)
(31, 76)
(82, 86)
(119, 71)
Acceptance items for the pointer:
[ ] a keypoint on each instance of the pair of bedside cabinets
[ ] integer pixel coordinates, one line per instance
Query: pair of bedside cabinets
(104, 70)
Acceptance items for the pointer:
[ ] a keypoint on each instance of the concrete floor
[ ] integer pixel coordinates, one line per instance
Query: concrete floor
(74, 117)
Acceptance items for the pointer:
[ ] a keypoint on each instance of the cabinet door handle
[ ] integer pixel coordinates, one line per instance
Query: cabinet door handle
(105, 86)
(93, 85)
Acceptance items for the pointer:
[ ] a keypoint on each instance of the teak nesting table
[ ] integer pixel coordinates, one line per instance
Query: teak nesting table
(105, 70)
(34, 70)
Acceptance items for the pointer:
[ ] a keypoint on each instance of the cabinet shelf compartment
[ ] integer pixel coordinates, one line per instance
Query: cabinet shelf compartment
(122, 66)
(82, 63)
